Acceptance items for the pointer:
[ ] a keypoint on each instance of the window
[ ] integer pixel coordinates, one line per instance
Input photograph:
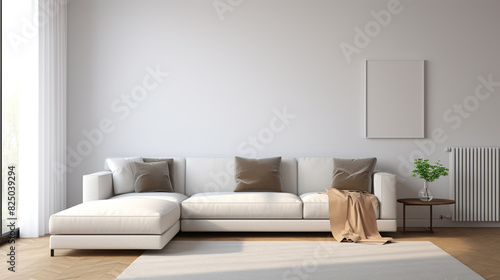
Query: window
(18, 43)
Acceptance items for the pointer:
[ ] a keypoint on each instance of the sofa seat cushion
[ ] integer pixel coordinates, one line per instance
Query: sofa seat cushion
(116, 216)
(247, 205)
(168, 196)
(316, 206)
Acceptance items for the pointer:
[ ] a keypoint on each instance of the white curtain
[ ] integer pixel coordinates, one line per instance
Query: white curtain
(44, 195)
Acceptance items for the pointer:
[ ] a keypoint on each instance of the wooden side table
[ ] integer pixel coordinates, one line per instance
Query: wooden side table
(418, 202)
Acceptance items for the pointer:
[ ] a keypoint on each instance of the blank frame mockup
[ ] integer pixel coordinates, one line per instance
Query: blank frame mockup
(395, 99)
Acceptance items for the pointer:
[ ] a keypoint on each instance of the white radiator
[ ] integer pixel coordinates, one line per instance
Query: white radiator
(475, 181)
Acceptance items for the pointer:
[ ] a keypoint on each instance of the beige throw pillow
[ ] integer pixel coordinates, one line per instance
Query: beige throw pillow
(151, 177)
(353, 174)
(257, 175)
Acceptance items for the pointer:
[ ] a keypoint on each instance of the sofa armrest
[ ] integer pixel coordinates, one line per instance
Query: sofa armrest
(384, 188)
(97, 186)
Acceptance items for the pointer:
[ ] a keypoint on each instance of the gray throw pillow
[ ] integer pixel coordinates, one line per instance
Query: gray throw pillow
(151, 177)
(257, 175)
(353, 174)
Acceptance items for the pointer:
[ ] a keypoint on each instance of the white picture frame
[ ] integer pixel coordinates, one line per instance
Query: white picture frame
(395, 99)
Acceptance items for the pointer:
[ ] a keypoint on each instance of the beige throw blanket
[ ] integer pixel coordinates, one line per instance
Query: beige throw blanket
(352, 218)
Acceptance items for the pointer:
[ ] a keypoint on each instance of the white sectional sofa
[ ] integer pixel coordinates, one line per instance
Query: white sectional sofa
(204, 201)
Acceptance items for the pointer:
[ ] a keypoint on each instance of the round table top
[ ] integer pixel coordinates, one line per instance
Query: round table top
(435, 201)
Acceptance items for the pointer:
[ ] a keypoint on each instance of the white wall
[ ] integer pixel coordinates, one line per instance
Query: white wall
(227, 78)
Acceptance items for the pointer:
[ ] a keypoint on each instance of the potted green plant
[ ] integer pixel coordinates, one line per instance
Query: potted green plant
(429, 173)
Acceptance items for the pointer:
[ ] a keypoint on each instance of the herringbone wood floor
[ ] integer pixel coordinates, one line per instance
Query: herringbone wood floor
(478, 248)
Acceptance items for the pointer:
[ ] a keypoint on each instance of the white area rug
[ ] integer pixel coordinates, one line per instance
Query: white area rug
(297, 260)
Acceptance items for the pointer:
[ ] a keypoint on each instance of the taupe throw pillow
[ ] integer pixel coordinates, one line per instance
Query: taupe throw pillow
(151, 177)
(170, 162)
(257, 175)
(353, 174)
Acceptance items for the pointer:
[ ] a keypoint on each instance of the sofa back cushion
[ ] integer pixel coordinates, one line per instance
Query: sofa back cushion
(123, 175)
(177, 172)
(217, 175)
(316, 174)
